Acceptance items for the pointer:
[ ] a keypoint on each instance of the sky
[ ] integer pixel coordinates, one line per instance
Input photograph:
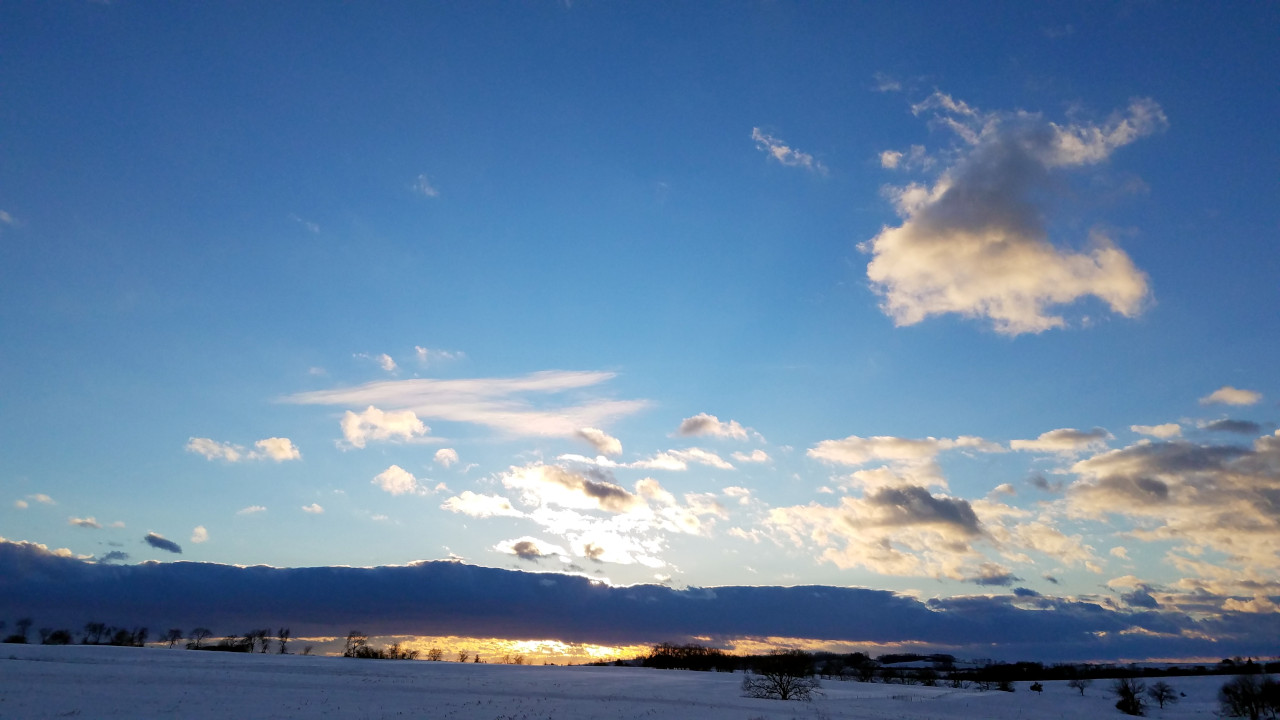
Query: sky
(966, 308)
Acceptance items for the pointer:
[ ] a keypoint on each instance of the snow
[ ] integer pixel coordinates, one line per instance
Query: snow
(39, 681)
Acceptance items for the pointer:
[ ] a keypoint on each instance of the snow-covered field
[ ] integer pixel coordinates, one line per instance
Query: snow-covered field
(110, 682)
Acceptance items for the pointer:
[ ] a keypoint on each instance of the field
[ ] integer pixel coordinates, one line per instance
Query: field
(112, 682)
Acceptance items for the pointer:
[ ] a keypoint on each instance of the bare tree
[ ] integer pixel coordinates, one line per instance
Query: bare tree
(199, 635)
(518, 659)
(1080, 684)
(1128, 692)
(1249, 696)
(435, 654)
(1162, 692)
(283, 636)
(172, 636)
(782, 675)
(463, 656)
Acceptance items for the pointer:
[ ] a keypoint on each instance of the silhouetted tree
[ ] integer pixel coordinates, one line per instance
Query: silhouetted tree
(1080, 684)
(1128, 692)
(283, 636)
(1162, 692)
(435, 654)
(93, 632)
(1249, 696)
(463, 655)
(172, 636)
(198, 636)
(59, 637)
(782, 675)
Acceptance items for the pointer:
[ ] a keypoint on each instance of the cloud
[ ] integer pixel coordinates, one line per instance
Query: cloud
(531, 549)
(273, 448)
(20, 504)
(975, 243)
(1199, 497)
(446, 457)
(1065, 441)
(755, 456)
(5, 218)
(552, 484)
(1227, 395)
(1242, 427)
(374, 424)
(251, 510)
(481, 506)
(199, 534)
(855, 450)
(277, 448)
(1164, 432)
(704, 424)
(678, 460)
(991, 574)
(886, 83)
(604, 443)
(498, 403)
(313, 509)
(114, 556)
(423, 187)
(310, 226)
(789, 156)
(454, 598)
(904, 531)
(430, 356)
(160, 543)
(398, 481)
(87, 522)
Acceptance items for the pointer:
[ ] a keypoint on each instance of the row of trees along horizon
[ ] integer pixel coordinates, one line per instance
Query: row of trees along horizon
(781, 674)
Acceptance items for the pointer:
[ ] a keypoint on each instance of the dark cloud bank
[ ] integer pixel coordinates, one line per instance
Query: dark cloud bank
(451, 598)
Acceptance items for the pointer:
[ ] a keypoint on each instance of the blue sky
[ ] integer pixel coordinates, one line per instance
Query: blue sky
(943, 299)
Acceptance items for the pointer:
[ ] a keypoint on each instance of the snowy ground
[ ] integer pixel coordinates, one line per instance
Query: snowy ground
(109, 682)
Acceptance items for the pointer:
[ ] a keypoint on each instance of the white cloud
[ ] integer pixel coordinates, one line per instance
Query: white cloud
(1065, 441)
(278, 449)
(677, 460)
(886, 83)
(704, 424)
(889, 159)
(855, 450)
(87, 522)
(755, 456)
(445, 457)
(313, 508)
(498, 403)
(1164, 431)
(374, 424)
(5, 218)
(530, 548)
(214, 450)
(20, 504)
(1227, 395)
(273, 448)
(424, 187)
(481, 506)
(603, 442)
(975, 244)
(554, 485)
(397, 481)
(251, 510)
(23, 504)
(430, 356)
(780, 151)
(199, 534)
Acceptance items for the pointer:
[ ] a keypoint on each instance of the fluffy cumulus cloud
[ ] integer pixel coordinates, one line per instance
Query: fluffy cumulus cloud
(974, 243)
(907, 461)
(398, 481)
(785, 154)
(273, 448)
(596, 518)
(603, 442)
(531, 549)
(1216, 504)
(446, 457)
(892, 530)
(313, 509)
(755, 456)
(199, 534)
(85, 522)
(704, 424)
(1065, 441)
(371, 424)
(1227, 395)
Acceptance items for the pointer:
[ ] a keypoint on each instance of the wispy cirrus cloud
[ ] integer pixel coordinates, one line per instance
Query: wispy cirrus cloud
(974, 243)
(785, 154)
(503, 404)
